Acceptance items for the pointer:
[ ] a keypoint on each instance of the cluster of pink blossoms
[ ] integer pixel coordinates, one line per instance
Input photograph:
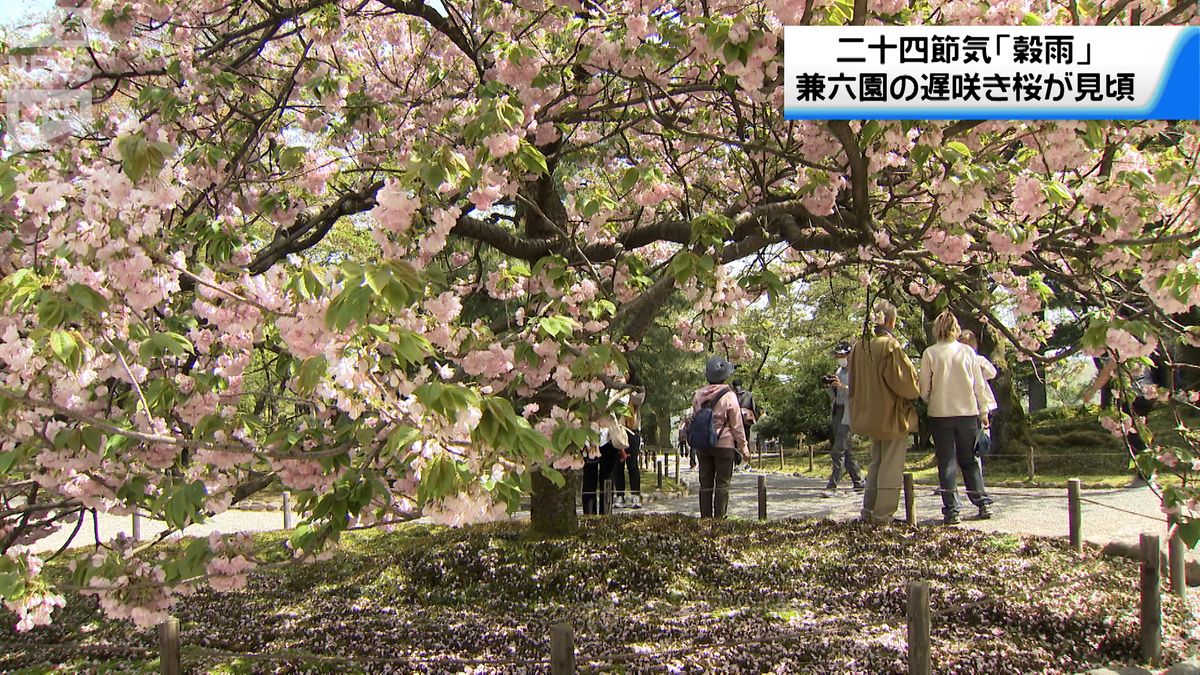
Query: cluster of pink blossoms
(35, 607)
(228, 570)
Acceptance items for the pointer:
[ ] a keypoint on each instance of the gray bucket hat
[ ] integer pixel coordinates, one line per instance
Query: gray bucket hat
(717, 370)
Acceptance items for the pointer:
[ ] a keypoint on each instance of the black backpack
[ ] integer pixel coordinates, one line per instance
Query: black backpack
(702, 432)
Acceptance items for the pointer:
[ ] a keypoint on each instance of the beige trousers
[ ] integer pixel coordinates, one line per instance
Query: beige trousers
(885, 480)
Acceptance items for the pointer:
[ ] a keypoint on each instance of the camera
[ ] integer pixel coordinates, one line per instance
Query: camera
(827, 380)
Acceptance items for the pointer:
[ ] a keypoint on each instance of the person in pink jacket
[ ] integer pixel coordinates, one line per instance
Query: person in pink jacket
(716, 463)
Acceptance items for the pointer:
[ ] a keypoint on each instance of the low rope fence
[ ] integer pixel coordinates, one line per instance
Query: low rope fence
(564, 658)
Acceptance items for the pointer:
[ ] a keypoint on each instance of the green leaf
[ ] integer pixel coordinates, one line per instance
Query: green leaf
(630, 179)
(161, 343)
(311, 373)
(1058, 193)
(292, 157)
(557, 326)
(12, 584)
(93, 438)
(134, 161)
(51, 312)
(349, 306)
(64, 346)
(1189, 532)
(959, 148)
(554, 475)
(411, 347)
(87, 297)
(920, 153)
(533, 159)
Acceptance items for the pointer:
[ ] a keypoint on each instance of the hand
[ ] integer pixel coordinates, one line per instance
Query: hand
(836, 383)
(985, 420)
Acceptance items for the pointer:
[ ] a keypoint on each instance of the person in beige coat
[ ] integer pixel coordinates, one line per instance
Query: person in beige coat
(883, 389)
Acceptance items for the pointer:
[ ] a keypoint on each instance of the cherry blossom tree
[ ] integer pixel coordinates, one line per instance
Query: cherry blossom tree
(536, 181)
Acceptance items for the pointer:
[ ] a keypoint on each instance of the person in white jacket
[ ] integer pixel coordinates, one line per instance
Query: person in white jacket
(953, 385)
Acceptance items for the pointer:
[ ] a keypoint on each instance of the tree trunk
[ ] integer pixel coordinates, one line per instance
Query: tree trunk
(552, 508)
(665, 431)
(1010, 428)
(1037, 388)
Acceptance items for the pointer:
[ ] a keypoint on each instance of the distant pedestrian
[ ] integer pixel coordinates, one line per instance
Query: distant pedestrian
(633, 425)
(841, 451)
(749, 417)
(600, 464)
(883, 389)
(716, 433)
(983, 444)
(684, 448)
(1141, 383)
(958, 397)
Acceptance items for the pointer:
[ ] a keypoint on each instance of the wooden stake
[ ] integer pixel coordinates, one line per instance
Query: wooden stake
(168, 647)
(288, 521)
(910, 500)
(1075, 515)
(1177, 564)
(562, 649)
(762, 497)
(1151, 609)
(919, 657)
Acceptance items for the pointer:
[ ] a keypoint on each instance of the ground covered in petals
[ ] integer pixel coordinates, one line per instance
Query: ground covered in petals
(643, 593)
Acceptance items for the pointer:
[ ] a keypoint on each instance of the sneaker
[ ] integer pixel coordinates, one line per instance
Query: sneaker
(985, 512)
(829, 492)
(692, 465)
(859, 487)
(618, 502)
(951, 519)
(637, 501)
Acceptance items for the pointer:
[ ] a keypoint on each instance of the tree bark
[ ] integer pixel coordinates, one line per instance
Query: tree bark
(1037, 388)
(665, 430)
(552, 508)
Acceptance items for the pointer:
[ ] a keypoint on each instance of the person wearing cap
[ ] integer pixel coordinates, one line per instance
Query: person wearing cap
(716, 463)
(883, 392)
(840, 451)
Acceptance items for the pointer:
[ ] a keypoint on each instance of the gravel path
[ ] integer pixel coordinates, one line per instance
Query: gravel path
(110, 526)
(1039, 511)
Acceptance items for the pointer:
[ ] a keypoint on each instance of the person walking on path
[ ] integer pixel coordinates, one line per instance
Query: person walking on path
(883, 389)
(716, 459)
(684, 448)
(953, 385)
(840, 452)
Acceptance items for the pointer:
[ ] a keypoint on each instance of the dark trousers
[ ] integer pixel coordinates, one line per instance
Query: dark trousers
(716, 472)
(840, 452)
(954, 445)
(594, 475)
(631, 463)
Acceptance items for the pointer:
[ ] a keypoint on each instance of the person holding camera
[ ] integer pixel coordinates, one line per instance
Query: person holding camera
(840, 452)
